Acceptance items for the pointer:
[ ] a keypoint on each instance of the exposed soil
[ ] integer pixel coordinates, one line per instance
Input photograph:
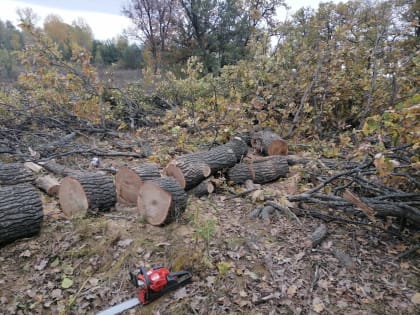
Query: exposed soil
(240, 265)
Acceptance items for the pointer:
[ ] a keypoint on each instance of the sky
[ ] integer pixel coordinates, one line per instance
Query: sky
(103, 16)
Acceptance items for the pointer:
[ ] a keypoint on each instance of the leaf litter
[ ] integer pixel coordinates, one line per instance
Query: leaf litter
(240, 265)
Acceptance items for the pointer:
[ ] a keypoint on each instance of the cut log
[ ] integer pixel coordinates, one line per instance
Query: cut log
(49, 184)
(191, 169)
(161, 201)
(188, 174)
(20, 212)
(269, 143)
(89, 191)
(238, 146)
(206, 187)
(14, 173)
(259, 171)
(129, 179)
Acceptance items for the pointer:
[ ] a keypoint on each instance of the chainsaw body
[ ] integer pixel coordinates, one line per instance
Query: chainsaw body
(157, 281)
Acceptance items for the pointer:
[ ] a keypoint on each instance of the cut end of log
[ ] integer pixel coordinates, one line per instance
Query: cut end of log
(72, 198)
(173, 171)
(127, 183)
(154, 203)
(278, 147)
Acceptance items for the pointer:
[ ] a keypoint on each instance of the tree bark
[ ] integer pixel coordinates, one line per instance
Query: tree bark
(89, 191)
(59, 169)
(129, 179)
(260, 171)
(14, 173)
(20, 212)
(161, 201)
(269, 143)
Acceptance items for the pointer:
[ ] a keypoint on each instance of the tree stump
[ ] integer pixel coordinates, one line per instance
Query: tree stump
(129, 179)
(88, 191)
(269, 143)
(20, 212)
(14, 173)
(161, 201)
(259, 171)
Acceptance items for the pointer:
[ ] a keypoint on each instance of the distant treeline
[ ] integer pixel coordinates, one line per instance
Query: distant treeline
(117, 51)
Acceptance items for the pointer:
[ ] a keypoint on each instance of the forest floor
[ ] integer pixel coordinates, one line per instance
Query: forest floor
(240, 265)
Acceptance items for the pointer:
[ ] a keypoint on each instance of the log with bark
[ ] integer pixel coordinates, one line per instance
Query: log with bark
(129, 179)
(191, 169)
(206, 187)
(14, 173)
(20, 212)
(269, 143)
(161, 201)
(259, 171)
(60, 169)
(87, 191)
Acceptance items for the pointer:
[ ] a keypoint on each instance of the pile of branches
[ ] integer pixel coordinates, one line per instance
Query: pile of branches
(356, 189)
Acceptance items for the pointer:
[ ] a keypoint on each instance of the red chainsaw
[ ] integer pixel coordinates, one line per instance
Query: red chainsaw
(150, 285)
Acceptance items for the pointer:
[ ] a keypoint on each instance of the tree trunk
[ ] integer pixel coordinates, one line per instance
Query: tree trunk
(20, 212)
(269, 143)
(14, 173)
(161, 201)
(129, 179)
(49, 184)
(260, 171)
(91, 191)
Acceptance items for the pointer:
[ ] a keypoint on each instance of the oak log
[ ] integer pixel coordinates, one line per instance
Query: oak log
(269, 143)
(129, 179)
(21, 212)
(161, 201)
(14, 173)
(87, 191)
(259, 171)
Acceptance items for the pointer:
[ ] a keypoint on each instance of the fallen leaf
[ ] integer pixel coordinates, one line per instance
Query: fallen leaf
(291, 291)
(257, 195)
(317, 305)
(242, 293)
(416, 298)
(299, 256)
(41, 266)
(27, 253)
(56, 293)
(66, 283)
(181, 293)
(125, 243)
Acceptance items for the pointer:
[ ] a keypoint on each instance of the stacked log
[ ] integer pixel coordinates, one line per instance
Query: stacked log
(14, 173)
(161, 201)
(21, 212)
(192, 169)
(269, 143)
(259, 171)
(87, 191)
(129, 179)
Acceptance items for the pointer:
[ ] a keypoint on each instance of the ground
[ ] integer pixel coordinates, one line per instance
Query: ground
(240, 265)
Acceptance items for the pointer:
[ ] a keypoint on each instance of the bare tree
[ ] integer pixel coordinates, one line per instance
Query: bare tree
(153, 21)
